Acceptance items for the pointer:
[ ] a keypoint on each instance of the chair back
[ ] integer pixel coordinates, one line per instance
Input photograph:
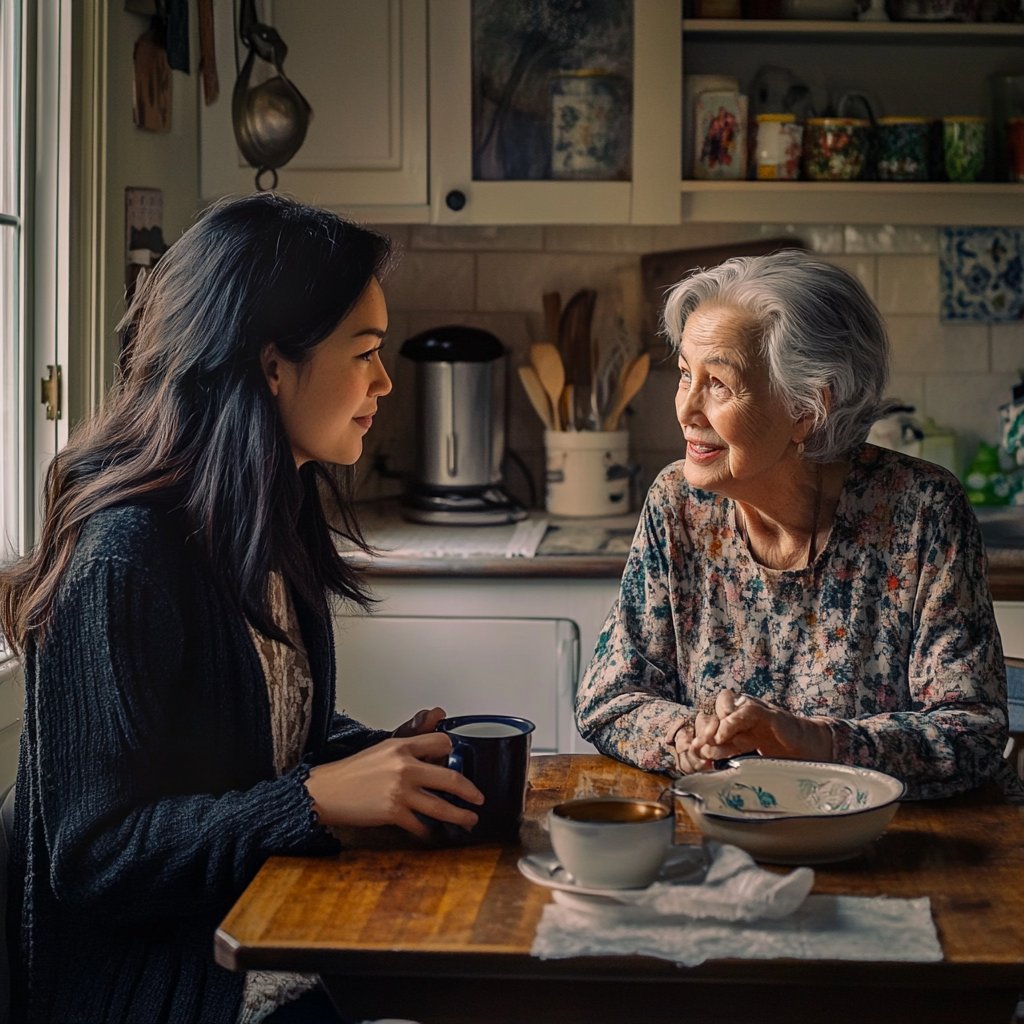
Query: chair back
(6, 839)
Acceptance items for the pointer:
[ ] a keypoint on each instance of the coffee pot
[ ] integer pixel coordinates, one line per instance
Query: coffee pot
(460, 429)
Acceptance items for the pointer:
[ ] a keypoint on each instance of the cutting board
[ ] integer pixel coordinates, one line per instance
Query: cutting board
(661, 270)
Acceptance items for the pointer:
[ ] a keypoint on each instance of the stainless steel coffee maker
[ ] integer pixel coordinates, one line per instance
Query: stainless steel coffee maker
(460, 429)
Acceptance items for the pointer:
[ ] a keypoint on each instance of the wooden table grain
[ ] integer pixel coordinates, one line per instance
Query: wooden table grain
(444, 935)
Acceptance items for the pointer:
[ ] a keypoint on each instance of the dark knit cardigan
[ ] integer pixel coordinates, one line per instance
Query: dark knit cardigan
(147, 798)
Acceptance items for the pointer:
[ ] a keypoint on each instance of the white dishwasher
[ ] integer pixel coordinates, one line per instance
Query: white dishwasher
(390, 666)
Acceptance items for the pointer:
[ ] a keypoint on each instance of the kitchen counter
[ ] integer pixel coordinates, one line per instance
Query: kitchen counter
(593, 548)
(567, 549)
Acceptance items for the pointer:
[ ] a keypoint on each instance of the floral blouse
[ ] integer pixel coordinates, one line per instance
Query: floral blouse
(889, 633)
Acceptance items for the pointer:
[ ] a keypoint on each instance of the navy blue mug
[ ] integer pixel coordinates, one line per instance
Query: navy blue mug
(493, 752)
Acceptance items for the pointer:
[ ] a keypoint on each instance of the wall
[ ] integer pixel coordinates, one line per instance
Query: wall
(494, 277)
(145, 159)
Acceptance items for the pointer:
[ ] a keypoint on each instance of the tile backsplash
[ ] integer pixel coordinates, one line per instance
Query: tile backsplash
(494, 278)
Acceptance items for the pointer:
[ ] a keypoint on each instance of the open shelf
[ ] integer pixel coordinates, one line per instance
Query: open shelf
(920, 31)
(993, 204)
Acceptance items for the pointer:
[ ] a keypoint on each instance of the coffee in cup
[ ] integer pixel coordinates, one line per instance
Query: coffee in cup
(493, 752)
(611, 842)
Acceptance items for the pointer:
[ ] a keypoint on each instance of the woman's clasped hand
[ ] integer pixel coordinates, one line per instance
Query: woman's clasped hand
(742, 724)
(388, 783)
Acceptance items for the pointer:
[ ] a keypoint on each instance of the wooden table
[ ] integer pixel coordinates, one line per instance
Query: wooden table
(444, 935)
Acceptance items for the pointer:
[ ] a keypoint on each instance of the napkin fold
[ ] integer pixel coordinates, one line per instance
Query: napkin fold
(733, 888)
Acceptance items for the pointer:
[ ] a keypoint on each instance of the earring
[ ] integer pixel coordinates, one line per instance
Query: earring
(800, 448)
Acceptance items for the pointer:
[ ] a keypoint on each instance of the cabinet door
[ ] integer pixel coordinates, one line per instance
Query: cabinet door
(362, 65)
(652, 194)
(390, 666)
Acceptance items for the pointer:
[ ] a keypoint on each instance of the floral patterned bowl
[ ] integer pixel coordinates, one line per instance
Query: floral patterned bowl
(791, 812)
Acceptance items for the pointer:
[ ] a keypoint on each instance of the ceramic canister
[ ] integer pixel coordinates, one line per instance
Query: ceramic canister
(1015, 147)
(590, 126)
(779, 140)
(835, 148)
(964, 145)
(720, 136)
(902, 148)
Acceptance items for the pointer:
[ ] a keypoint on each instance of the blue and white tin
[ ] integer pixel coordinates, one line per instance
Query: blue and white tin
(590, 126)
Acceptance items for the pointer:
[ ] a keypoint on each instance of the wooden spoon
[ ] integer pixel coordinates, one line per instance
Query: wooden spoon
(632, 380)
(537, 395)
(548, 364)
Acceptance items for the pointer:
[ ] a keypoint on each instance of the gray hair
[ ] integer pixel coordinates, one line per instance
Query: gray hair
(819, 333)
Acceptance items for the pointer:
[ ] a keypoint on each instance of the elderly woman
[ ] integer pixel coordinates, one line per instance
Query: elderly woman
(792, 590)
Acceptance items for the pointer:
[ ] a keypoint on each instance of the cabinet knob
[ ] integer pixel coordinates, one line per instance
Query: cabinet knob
(455, 200)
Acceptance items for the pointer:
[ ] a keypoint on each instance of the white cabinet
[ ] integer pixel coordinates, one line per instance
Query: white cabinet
(1010, 620)
(651, 197)
(488, 646)
(362, 65)
(391, 666)
(365, 69)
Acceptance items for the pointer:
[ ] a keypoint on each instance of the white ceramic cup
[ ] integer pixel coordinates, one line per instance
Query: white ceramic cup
(611, 842)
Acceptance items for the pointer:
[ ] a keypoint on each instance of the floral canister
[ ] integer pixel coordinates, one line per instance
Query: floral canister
(964, 145)
(779, 143)
(902, 148)
(1015, 147)
(720, 136)
(835, 148)
(590, 126)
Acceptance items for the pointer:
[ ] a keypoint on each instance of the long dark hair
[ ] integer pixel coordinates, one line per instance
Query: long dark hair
(192, 428)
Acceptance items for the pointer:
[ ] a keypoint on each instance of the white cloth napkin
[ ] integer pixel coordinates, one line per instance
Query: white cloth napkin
(733, 888)
(717, 903)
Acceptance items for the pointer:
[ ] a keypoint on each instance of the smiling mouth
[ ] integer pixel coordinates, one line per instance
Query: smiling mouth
(701, 451)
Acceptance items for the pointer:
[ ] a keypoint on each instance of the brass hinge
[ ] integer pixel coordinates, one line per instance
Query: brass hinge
(51, 393)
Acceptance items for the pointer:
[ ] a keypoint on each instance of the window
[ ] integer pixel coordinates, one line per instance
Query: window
(12, 348)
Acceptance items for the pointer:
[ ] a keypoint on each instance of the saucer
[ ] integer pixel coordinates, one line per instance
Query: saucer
(686, 864)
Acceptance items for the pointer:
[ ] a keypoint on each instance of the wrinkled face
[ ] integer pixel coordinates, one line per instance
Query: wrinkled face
(328, 402)
(736, 430)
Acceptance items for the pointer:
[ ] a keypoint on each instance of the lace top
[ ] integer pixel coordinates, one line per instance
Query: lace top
(290, 692)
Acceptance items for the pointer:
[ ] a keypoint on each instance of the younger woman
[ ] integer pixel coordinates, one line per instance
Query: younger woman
(175, 621)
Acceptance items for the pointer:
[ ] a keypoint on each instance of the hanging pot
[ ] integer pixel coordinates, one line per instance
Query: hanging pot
(270, 119)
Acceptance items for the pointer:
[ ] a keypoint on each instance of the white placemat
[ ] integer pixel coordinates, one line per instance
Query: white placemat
(823, 928)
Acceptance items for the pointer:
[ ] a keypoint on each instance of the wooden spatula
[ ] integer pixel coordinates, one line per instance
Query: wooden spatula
(632, 380)
(537, 395)
(574, 338)
(548, 364)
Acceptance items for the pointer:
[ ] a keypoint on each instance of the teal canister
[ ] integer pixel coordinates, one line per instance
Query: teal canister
(902, 147)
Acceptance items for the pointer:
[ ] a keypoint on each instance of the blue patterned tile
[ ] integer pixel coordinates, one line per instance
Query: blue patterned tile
(982, 274)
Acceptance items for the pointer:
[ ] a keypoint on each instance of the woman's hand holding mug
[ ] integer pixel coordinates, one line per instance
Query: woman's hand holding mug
(386, 783)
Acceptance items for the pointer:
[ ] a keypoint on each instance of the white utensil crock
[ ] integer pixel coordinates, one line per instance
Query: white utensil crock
(587, 472)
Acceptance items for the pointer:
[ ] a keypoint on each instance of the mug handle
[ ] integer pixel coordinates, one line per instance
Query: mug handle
(458, 758)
